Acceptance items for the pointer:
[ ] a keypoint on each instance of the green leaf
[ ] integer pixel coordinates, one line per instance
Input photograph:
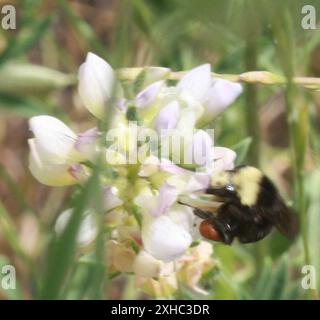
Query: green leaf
(27, 107)
(241, 149)
(294, 291)
(32, 79)
(26, 39)
(63, 246)
(263, 280)
(278, 282)
(10, 232)
(83, 28)
(313, 186)
(83, 276)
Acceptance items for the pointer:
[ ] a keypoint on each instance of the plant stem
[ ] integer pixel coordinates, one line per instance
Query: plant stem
(257, 77)
(252, 106)
(297, 124)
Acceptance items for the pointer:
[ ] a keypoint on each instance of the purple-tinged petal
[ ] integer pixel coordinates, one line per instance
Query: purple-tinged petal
(168, 116)
(197, 81)
(198, 182)
(146, 97)
(76, 170)
(167, 197)
(168, 166)
(122, 104)
(220, 95)
(86, 140)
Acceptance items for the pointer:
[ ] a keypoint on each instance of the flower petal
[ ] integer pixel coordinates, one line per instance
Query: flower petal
(77, 171)
(85, 142)
(202, 148)
(223, 159)
(168, 166)
(167, 197)
(97, 81)
(146, 97)
(220, 95)
(168, 116)
(153, 74)
(111, 200)
(196, 81)
(50, 174)
(120, 257)
(149, 166)
(146, 265)
(199, 181)
(88, 228)
(54, 140)
(165, 239)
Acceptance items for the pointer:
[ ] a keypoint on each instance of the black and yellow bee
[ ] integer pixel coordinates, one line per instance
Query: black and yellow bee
(251, 207)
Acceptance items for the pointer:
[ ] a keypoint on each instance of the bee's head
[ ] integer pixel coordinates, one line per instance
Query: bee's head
(242, 182)
(222, 184)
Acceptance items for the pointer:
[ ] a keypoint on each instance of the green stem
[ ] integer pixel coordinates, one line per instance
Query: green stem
(252, 106)
(296, 124)
(257, 77)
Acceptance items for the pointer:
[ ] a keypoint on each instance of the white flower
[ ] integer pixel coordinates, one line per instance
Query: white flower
(146, 97)
(48, 173)
(88, 228)
(168, 237)
(53, 156)
(219, 96)
(153, 74)
(223, 159)
(110, 198)
(167, 227)
(97, 83)
(146, 265)
(168, 116)
(54, 140)
(86, 142)
(213, 94)
(196, 82)
(200, 148)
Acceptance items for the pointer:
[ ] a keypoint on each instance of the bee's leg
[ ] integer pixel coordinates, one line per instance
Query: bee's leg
(202, 214)
(224, 229)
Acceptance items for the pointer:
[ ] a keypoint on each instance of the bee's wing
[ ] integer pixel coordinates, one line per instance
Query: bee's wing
(284, 219)
(276, 211)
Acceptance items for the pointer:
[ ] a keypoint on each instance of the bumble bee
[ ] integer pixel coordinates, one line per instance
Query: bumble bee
(251, 207)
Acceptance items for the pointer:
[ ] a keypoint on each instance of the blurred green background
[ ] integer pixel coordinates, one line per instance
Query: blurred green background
(276, 128)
